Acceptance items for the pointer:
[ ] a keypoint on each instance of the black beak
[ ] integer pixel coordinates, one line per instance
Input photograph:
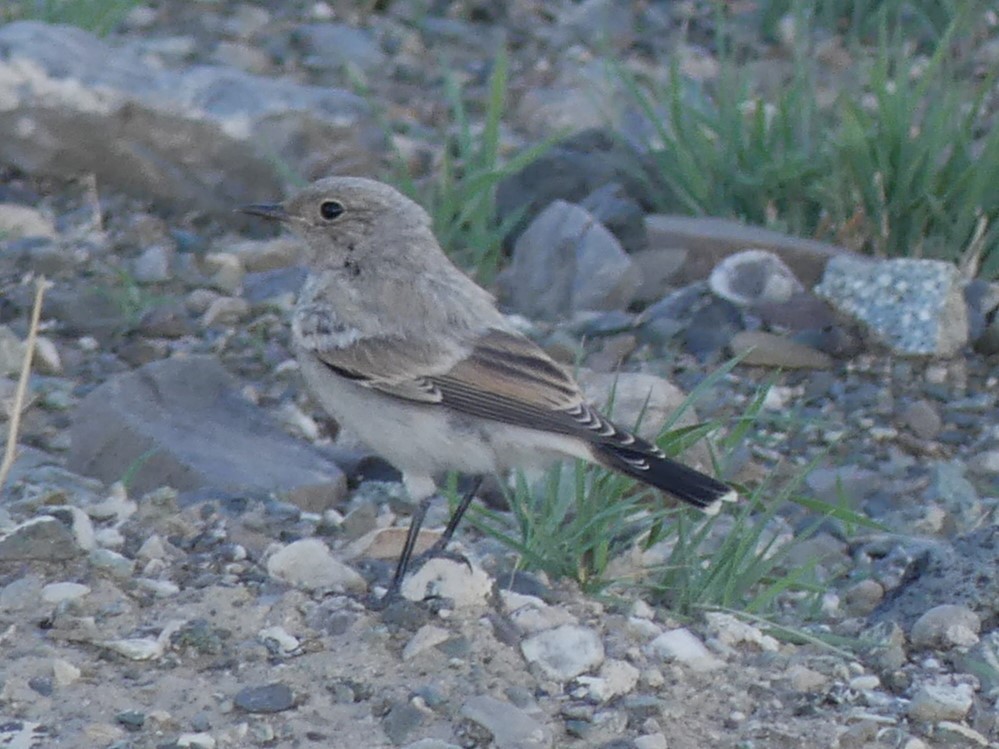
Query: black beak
(272, 211)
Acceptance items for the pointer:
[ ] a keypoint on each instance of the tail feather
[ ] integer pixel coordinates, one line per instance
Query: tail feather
(647, 463)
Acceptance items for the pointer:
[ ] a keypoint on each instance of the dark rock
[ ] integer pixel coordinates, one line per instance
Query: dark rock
(566, 261)
(270, 698)
(401, 720)
(570, 170)
(44, 538)
(711, 328)
(620, 213)
(182, 423)
(960, 573)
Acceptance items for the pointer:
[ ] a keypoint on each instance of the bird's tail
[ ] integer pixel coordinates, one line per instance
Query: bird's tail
(645, 462)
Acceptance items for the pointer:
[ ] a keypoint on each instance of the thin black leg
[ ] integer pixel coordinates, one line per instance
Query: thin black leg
(407, 549)
(459, 513)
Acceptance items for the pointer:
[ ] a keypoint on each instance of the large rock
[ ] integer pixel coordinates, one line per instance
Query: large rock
(182, 423)
(709, 240)
(204, 137)
(915, 307)
(567, 261)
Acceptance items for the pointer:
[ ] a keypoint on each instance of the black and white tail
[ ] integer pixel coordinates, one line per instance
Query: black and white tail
(641, 460)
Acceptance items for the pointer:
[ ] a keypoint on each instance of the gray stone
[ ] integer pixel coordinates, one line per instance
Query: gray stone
(269, 698)
(400, 721)
(955, 493)
(308, 564)
(682, 646)
(620, 213)
(946, 626)
(203, 137)
(569, 170)
(511, 727)
(961, 573)
(153, 265)
(567, 261)
(754, 277)
(760, 348)
(923, 418)
(335, 46)
(42, 538)
(181, 422)
(915, 307)
(564, 652)
(933, 702)
(709, 240)
(982, 299)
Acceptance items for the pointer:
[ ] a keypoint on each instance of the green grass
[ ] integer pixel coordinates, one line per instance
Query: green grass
(900, 165)
(97, 16)
(584, 517)
(461, 197)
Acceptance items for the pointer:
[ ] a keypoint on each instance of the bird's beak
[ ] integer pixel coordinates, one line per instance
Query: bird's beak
(272, 211)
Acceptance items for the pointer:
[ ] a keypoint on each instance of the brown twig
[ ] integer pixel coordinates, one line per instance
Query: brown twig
(22, 383)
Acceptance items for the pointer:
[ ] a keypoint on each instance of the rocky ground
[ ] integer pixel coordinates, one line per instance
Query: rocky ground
(187, 544)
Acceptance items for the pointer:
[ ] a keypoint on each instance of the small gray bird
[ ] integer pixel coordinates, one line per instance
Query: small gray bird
(401, 347)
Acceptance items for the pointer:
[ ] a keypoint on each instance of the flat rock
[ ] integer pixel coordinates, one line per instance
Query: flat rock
(511, 727)
(308, 564)
(564, 652)
(42, 538)
(915, 307)
(759, 348)
(709, 240)
(181, 422)
(204, 137)
(567, 261)
(682, 645)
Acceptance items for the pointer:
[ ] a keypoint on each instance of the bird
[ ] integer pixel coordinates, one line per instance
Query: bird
(401, 346)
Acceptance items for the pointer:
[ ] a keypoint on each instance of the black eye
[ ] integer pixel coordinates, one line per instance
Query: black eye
(330, 209)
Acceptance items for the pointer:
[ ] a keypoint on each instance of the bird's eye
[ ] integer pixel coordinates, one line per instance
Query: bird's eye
(330, 209)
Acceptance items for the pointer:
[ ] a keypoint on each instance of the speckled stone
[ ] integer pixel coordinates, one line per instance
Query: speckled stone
(915, 307)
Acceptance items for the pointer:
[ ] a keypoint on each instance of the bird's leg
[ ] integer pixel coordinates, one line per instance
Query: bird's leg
(452, 525)
(439, 549)
(405, 556)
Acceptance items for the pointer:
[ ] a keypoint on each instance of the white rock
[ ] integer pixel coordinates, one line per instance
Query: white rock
(564, 652)
(152, 548)
(159, 588)
(616, 677)
(46, 360)
(287, 643)
(426, 637)
(732, 631)
(23, 221)
(308, 564)
(532, 619)
(946, 626)
(64, 673)
(651, 741)
(934, 702)
(59, 592)
(196, 740)
(682, 646)
(445, 578)
(137, 648)
(641, 610)
(754, 276)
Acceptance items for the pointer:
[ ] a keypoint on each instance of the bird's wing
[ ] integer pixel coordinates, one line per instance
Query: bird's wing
(498, 375)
